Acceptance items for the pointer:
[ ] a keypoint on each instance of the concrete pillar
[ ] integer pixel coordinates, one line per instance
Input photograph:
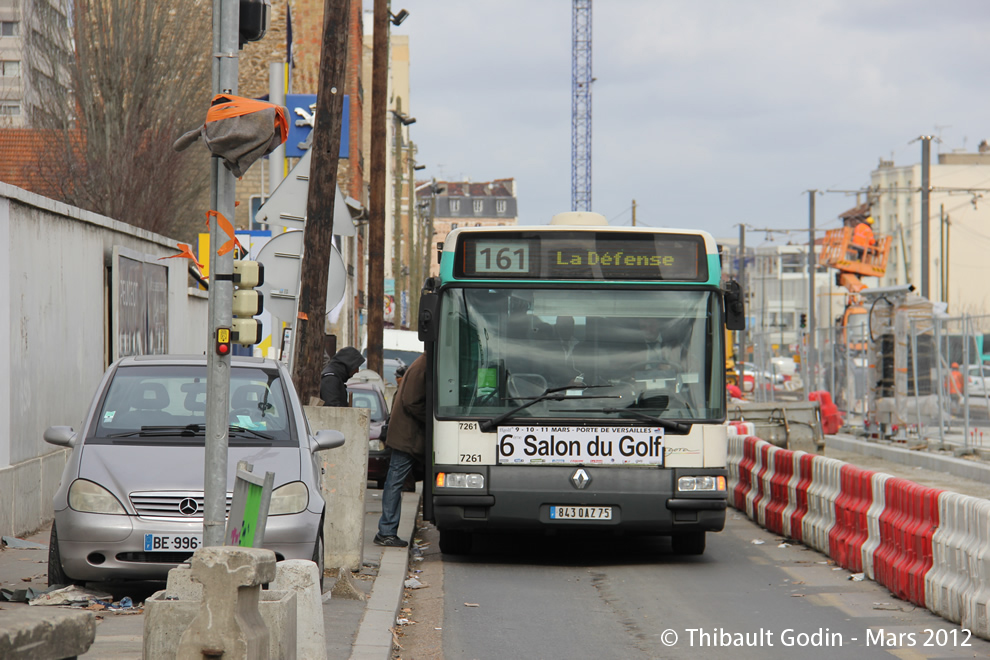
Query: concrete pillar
(229, 624)
(344, 482)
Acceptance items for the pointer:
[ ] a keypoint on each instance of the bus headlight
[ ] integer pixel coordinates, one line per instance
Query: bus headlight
(460, 480)
(706, 483)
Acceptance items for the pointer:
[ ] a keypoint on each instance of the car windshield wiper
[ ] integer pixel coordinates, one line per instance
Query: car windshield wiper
(241, 429)
(187, 430)
(552, 394)
(679, 427)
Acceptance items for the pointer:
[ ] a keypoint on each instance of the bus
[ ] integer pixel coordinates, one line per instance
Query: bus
(576, 379)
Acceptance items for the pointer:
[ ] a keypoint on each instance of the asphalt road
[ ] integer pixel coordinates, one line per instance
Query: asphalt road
(525, 597)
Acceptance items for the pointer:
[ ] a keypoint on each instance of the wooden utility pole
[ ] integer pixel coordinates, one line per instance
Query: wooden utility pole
(376, 197)
(310, 322)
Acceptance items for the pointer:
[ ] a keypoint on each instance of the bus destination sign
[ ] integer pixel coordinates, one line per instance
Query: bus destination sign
(566, 256)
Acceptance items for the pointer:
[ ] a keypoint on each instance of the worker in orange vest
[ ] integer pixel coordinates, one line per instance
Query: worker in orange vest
(862, 239)
(863, 234)
(956, 384)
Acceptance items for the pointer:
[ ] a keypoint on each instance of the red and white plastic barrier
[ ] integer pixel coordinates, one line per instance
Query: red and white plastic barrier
(927, 545)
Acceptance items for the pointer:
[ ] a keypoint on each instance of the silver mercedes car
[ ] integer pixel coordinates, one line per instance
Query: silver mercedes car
(130, 504)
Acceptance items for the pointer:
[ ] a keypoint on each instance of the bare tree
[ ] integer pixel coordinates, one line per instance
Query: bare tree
(112, 84)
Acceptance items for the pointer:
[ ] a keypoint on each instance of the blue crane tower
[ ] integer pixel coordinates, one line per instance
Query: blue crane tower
(581, 106)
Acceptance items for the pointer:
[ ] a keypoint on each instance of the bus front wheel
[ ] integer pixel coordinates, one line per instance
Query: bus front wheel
(690, 543)
(455, 542)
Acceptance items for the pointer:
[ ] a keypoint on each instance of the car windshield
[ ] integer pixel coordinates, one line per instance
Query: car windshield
(154, 402)
(369, 401)
(658, 351)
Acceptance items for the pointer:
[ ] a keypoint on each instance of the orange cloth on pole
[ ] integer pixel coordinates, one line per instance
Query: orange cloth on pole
(863, 235)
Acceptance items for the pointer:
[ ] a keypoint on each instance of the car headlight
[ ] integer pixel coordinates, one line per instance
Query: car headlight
(291, 498)
(706, 483)
(90, 497)
(376, 445)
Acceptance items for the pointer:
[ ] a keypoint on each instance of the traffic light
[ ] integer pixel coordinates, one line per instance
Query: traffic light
(253, 20)
(804, 320)
(248, 302)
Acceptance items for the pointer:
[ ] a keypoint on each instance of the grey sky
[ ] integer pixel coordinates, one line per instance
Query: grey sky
(708, 112)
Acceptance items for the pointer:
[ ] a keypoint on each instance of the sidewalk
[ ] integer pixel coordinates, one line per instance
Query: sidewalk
(354, 629)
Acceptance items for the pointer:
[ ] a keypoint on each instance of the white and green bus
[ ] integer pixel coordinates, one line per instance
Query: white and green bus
(577, 382)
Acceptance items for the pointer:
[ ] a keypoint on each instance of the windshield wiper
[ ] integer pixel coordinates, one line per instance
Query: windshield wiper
(679, 427)
(552, 394)
(187, 430)
(241, 429)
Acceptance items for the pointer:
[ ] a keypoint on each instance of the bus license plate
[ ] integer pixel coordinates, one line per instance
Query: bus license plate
(580, 512)
(171, 542)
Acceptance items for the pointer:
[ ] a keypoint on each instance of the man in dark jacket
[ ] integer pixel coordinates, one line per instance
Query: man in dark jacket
(334, 377)
(407, 439)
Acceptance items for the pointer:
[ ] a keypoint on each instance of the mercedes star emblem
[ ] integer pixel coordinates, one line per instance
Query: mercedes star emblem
(580, 478)
(188, 506)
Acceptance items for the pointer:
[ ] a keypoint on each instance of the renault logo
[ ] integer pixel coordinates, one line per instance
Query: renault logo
(580, 478)
(188, 506)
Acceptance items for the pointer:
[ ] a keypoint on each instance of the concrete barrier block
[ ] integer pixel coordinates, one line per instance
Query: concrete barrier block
(229, 621)
(45, 633)
(301, 577)
(343, 483)
(166, 620)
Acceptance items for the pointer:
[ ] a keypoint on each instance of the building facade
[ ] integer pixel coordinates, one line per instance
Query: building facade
(454, 204)
(958, 238)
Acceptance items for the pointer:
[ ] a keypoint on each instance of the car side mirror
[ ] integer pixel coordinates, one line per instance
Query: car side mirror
(63, 436)
(328, 439)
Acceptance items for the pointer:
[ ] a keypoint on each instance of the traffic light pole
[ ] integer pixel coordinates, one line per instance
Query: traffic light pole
(225, 52)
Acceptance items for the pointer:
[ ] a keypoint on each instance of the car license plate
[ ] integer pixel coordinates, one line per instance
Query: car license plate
(171, 542)
(580, 512)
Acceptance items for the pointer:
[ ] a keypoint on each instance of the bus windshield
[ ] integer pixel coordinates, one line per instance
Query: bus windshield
(655, 352)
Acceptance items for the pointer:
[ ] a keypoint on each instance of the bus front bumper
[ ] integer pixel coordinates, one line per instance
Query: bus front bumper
(628, 499)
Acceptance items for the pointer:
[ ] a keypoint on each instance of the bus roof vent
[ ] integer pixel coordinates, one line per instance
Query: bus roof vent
(579, 218)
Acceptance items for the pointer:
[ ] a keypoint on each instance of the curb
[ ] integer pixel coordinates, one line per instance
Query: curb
(923, 459)
(374, 638)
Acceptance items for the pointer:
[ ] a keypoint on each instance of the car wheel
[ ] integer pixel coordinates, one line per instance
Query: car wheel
(691, 543)
(456, 542)
(318, 558)
(56, 574)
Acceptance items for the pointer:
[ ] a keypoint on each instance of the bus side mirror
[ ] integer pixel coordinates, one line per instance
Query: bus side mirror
(429, 305)
(735, 309)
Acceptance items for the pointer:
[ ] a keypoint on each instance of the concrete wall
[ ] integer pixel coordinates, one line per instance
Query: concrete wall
(54, 322)
(344, 482)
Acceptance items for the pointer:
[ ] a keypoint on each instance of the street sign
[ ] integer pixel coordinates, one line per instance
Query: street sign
(286, 207)
(282, 258)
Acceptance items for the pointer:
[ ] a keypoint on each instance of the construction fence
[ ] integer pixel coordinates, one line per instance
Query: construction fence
(907, 371)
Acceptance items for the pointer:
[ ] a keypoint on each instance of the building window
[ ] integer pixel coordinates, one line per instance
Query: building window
(10, 69)
(479, 205)
(10, 29)
(10, 109)
(455, 206)
(500, 206)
